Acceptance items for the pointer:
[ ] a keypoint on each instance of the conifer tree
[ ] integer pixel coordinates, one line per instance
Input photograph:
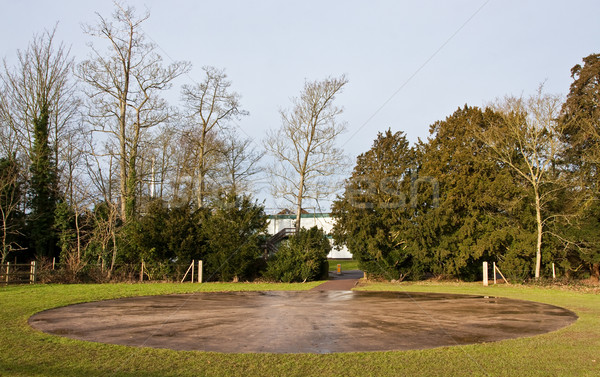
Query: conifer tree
(581, 119)
(372, 217)
(479, 213)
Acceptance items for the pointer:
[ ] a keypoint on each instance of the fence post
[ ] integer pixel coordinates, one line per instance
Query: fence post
(53, 262)
(485, 274)
(7, 271)
(501, 274)
(553, 271)
(494, 263)
(142, 272)
(199, 271)
(193, 264)
(32, 273)
(187, 272)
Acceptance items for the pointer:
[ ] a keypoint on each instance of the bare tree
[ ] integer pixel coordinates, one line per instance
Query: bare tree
(42, 77)
(10, 200)
(304, 147)
(239, 164)
(106, 212)
(39, 105)
(210, 106)
(527, 140)
(123, 87)
(164, 164)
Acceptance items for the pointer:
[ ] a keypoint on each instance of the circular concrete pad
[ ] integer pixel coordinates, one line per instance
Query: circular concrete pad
(290, 322)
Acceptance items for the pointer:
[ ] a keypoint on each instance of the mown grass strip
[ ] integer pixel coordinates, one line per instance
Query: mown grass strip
(347, 265)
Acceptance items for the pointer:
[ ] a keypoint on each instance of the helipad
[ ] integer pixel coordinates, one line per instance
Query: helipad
(313, 321)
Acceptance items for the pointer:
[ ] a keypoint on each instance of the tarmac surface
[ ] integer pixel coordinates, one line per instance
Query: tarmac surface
(324, 320)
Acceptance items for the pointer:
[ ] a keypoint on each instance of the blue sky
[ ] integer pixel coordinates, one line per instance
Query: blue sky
(409, 63)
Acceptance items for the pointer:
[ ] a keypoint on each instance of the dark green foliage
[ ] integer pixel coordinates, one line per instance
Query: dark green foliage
(227, 238)
(233, 235)
(440, 209)
(478, 217)
(43, 186)
(303, 257)
(373, 216)
(64, 222)
(579, 256)
(164, 235)
(581, 119)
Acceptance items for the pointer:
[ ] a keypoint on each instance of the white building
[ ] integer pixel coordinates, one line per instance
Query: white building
(322, 221)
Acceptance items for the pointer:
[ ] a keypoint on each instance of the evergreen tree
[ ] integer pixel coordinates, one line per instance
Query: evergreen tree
(233, 234)
(480, 215)
(43, 188)
(373, 218)
(581, 120)
(164, 235)
(301, 258)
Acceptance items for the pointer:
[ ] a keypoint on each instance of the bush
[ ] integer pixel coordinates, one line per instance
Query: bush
(233, 235)
(301, 258)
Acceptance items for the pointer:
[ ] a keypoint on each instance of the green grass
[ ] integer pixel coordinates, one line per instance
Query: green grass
(572, 351)
(347, 265)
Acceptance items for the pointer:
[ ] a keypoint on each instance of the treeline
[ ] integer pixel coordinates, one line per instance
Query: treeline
(99, 173)
(515, 183)
(96, 167)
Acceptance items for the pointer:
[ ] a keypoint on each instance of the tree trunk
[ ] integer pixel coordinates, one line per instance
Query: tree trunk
(596, 271)
(538, 253)
(114, 254)
(201, 183)
(123, 177)
(299, 204)
(201, 169)
(130, 189)
(78, 230)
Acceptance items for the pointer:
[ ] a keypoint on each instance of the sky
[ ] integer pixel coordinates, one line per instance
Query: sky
(409, 63)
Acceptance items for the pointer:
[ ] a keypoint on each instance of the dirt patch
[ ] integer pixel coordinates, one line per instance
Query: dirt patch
(293, 322)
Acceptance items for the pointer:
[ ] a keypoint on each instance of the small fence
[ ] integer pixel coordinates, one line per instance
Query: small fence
(51, 271)
(498, 276)
(15, 273)
(198, 272)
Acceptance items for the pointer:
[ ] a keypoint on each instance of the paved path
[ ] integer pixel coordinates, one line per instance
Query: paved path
(344, 282)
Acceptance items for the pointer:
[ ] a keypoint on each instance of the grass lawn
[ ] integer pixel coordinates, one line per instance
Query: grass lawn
(347, 265)
(572, 351)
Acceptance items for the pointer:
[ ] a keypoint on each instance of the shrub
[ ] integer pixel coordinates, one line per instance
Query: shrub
(233, 235)
(301, 258)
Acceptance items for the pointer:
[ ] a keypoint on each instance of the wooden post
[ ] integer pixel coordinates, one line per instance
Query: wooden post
(485, 274)
(32, 273)
(553, 271)
(193, 264)
(199, 271)
(142, 272)
(187, 272)
(7, 271)
(503, 277)
(53, 263)
(494, 264)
